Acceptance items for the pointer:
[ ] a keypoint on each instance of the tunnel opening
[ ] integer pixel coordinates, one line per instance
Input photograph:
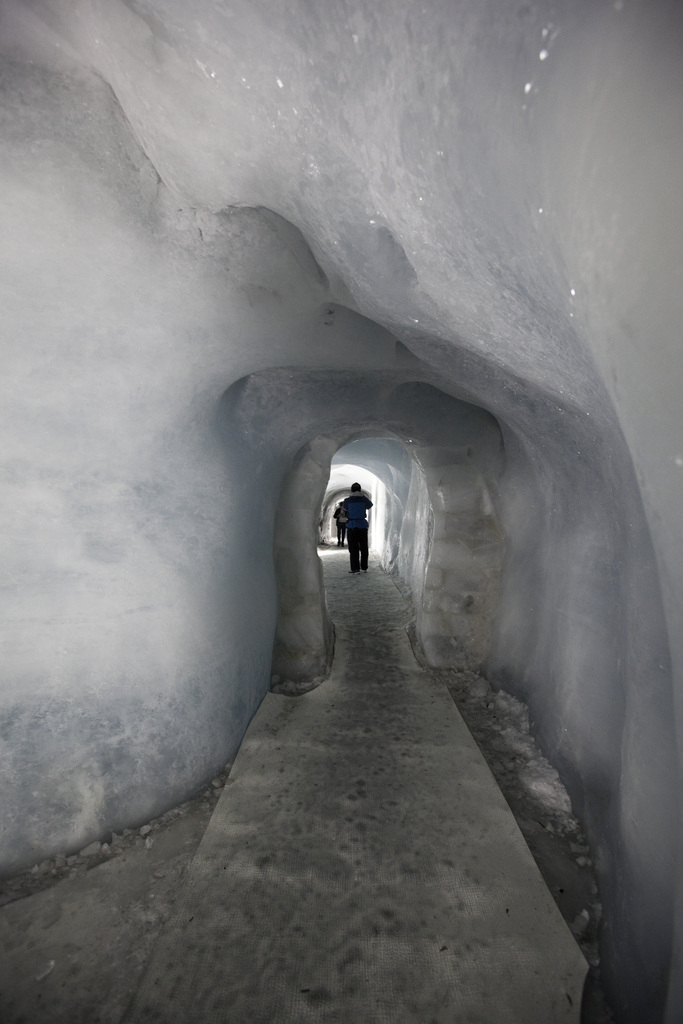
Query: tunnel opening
(433, 472)
(436, 527)
(343, 472)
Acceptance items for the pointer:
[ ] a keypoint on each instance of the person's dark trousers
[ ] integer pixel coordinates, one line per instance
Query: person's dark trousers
(358, 548)
(341, 533)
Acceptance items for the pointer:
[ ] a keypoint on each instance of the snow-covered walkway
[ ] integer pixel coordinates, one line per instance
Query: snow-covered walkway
(361, 865)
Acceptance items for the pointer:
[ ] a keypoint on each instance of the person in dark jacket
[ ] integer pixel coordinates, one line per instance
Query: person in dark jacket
(356, 506)
(342, 519)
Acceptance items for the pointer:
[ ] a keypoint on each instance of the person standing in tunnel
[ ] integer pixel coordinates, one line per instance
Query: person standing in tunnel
(356, 506)
(342, 519)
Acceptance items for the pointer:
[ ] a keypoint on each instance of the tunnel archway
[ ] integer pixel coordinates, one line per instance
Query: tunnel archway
(342, 475)
(441, 460)
(436, 526)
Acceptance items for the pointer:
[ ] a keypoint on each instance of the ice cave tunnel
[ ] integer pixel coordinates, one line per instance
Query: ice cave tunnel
(246, 245)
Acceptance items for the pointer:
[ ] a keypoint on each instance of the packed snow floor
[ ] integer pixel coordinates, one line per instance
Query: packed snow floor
(362, 864)
(351, 855)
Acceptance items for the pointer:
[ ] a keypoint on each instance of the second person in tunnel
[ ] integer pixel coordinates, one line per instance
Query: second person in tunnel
(356, 507)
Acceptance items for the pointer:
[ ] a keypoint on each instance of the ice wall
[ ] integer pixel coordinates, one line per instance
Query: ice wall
(303, 647)
(139, 600)
(480, 197)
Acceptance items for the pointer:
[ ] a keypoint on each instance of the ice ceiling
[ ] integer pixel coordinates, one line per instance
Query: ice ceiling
(237, 236)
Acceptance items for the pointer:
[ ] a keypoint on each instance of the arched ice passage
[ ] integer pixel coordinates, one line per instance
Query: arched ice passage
(440, 501)
(436, 525)
(232, 245)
